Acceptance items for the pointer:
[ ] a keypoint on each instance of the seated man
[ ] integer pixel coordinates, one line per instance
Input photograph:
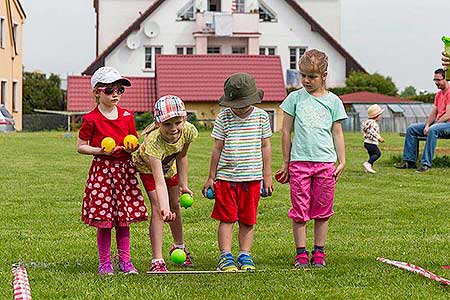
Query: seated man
(437, 125)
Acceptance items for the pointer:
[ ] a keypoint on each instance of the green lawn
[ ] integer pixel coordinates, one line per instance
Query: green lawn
(398, 214)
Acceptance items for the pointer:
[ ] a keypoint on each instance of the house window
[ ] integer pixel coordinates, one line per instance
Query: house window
(185, 50)
(214, 5)
(240, 6)
(265, 13)
(294, 56)
(150, 56)
(15, 103)
(3, 91)
(186, 13)
(267, 51)
(213, 50)
(238, 50)
(16, 37)
(2, 33)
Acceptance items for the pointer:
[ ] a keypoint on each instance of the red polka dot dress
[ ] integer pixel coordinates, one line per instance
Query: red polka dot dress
(112, 195)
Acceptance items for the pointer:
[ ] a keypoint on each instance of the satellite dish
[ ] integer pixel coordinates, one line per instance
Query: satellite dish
(133, 41)
(151, 29)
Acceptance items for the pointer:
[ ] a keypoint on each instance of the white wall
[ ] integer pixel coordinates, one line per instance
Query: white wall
(327, 13)
(172, 33)
(115, 16)
(292, 30)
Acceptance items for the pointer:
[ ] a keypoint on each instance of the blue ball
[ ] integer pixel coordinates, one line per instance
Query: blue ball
(210, 193)
(263, 191)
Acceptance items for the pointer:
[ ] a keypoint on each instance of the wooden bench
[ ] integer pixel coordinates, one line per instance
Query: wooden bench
(423, 138)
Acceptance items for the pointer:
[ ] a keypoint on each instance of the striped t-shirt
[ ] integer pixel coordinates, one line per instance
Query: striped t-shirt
(241, 157)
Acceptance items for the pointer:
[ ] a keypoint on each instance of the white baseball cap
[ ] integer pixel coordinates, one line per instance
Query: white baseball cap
(108, 75)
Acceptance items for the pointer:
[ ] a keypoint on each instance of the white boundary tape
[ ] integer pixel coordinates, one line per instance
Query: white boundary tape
(21, 284)
(415, 269)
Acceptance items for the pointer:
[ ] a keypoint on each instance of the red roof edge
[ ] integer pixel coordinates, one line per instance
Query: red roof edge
(350, 62)
(100, 60)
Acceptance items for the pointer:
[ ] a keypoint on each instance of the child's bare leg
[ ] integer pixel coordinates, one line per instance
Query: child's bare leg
(320, 232)
(176, 226)
(245, 237)
(225, 236)
(156, 228)
(299, 230)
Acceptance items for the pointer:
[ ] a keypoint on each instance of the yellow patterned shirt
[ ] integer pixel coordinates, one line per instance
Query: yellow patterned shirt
(155, 146)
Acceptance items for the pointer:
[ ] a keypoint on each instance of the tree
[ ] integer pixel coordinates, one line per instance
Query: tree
(408, 92)
(40, 92)
(371, 82)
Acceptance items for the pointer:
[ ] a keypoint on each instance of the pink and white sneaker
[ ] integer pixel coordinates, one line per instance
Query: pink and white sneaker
(318, 259)
(106, 268)
(158, 267)
(188, 263)
(127, 267)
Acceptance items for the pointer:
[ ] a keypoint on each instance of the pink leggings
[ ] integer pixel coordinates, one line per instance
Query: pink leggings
(104, 243)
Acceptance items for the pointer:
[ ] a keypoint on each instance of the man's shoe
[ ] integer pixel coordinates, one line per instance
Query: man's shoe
(226, 263)
(423, 169)
(245, 262)
(406, 165)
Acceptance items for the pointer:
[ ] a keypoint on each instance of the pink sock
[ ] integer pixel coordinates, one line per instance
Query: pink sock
(104, 244)
(123, 243)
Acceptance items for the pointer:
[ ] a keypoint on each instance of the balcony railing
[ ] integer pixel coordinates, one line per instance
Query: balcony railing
(221, 22)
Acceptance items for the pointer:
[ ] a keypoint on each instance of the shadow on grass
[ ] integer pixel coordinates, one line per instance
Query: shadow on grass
(442, 161)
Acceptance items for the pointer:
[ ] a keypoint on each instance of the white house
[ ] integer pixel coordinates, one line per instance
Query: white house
(130, 33)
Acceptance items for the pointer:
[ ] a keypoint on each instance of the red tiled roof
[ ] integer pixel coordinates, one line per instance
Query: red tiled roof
(201, 77)
(368, 97)
(138, 98)
(350, 62)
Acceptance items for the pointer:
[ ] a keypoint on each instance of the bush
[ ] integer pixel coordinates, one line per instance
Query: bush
(143, 120)
(427, 98)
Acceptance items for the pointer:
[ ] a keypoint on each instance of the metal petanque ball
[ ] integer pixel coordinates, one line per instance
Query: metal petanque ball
(178, 256)
(186, 200)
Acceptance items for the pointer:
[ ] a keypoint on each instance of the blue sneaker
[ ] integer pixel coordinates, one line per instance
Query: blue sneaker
(245, 262)
(226, 263)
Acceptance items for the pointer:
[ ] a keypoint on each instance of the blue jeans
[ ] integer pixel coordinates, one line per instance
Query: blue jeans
(416, 130)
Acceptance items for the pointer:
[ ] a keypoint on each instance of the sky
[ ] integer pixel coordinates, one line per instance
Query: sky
(396, 38)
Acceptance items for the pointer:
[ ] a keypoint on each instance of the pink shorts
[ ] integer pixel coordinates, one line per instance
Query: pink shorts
(312, 190)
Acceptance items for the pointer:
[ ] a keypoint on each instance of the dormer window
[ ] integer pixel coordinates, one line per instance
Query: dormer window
(265, 13)
(186, 13)
(214, 5)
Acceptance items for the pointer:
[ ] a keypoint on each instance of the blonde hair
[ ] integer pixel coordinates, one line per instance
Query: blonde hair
(314, 60)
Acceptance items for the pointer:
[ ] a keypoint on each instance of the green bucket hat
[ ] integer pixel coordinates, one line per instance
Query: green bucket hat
(240, 91)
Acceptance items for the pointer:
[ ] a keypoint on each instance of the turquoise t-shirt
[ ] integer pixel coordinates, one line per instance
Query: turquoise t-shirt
(313, 120)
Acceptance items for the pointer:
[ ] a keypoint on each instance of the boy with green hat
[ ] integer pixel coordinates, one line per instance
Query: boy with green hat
(240, 160)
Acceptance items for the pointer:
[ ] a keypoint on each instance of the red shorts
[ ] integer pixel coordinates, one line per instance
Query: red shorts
(236, 201)
(149, 182)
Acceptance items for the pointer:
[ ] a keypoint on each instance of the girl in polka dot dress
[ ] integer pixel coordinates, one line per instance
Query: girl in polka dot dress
(112, 196)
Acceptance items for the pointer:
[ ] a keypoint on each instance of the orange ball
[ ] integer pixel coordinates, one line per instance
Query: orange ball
(130, 141)
(108, 144)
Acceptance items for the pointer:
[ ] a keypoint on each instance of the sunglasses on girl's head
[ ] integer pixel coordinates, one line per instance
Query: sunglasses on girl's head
(109, 90)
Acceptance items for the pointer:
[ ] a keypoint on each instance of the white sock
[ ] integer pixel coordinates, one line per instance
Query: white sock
(224, 252)
(156, 260)
(243, 252)
(181, 246)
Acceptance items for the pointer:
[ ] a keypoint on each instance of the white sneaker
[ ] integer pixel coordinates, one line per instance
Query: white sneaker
(368, 168)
